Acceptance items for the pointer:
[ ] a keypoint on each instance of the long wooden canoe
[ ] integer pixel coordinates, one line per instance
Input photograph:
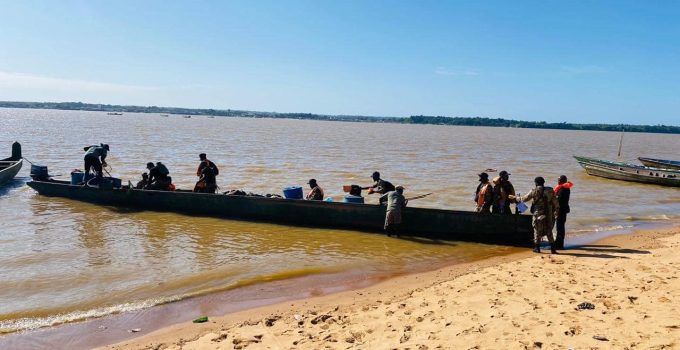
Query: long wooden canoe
(660, 163)
(515, 230)
(629, 172)
(9, 167)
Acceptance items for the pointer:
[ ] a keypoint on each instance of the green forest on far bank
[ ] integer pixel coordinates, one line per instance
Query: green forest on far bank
(419, 119)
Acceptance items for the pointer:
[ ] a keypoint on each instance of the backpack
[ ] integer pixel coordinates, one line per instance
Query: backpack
(214, 168)
(162, 169)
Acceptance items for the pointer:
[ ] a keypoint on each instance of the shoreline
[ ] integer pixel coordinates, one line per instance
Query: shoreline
(114, 329)
(415, 310)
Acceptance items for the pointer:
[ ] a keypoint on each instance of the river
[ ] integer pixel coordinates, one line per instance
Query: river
(63, 261)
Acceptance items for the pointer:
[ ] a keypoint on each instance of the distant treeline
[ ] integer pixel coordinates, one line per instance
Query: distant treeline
(418, 119)
(509, 123)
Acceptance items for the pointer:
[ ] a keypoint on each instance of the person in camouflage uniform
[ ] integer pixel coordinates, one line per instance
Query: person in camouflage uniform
(544, 206)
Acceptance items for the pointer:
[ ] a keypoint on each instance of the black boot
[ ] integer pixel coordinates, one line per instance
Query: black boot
(537, 248)
(552, 248)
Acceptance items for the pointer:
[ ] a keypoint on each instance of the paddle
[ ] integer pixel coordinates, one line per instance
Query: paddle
(419, 197)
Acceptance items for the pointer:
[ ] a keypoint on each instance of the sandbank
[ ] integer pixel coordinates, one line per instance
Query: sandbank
(520, 301)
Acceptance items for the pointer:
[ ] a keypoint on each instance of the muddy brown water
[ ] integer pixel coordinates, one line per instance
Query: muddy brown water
(63, 261)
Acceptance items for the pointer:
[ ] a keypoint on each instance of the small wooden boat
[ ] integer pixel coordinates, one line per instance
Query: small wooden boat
(630, 172)
(515, 230)
(9, 167)
(187, 116)
(660, 163)
(114, 113)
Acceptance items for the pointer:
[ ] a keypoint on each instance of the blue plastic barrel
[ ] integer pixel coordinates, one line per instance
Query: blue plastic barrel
(77, 177)
(39, 172)
(292, 192)
(353, 199)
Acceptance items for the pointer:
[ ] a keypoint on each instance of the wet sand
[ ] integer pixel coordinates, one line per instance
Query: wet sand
(114, 328)
(521, 301)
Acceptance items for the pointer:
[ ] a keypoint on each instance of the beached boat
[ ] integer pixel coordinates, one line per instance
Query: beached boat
(9, 167)
(660, 163)
(454, 225)
(630, 172)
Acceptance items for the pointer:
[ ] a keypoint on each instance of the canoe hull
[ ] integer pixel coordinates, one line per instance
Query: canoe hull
(660, 163)
(630, 172)
(8, 174)
(512, 230)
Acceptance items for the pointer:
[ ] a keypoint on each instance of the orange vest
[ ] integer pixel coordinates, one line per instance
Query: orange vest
(482, 195)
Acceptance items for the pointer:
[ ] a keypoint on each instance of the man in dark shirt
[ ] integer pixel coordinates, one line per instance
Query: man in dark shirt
(208, 180)
(207, 172)
(563, 192)
(158, 177)
(379, 186)
(484, 194)
(206, 163)
(502, 189)
(95, 159)
(316, 194)
(141, 184)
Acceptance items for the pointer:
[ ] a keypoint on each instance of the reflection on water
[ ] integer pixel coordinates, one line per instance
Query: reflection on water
(63, 260)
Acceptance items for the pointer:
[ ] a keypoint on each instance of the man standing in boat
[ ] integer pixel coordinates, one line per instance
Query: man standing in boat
(316, 193)
(95, 158)
(379, 186)
(544, 206)
(484, 194)
(207, 172)
(563, 192)
(396, 202)
(503, 191)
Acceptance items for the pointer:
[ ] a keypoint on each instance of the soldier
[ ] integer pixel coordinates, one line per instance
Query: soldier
(544, 206)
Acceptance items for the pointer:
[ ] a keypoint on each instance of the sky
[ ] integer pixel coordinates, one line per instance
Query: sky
(557, 61)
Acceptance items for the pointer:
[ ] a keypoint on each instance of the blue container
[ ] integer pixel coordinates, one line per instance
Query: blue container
(353, 199)
(39, 172)
(292, 192)
(78, 177)
(117, 183)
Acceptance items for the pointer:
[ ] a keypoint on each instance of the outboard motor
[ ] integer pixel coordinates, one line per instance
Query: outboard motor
(39, 173)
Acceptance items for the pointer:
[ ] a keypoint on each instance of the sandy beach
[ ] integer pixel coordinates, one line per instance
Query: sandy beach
(523, 301)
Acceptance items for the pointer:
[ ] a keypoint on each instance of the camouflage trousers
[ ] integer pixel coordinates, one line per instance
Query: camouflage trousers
(542, 227)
